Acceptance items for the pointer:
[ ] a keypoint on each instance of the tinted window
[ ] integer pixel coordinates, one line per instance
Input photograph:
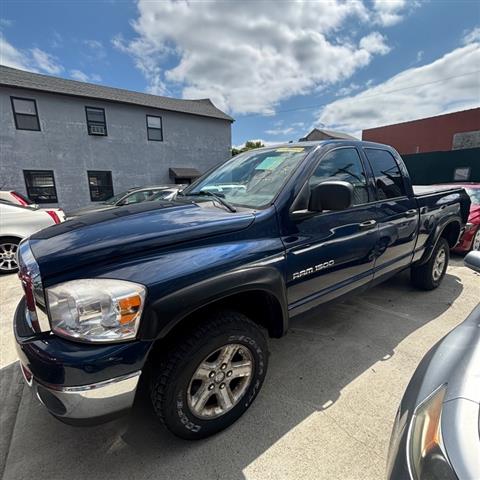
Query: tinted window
(25, 113)
(100, 185)
(388, 177)
(343, 164)
(40, 186)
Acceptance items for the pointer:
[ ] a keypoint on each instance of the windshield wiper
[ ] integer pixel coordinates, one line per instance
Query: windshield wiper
(216, 197)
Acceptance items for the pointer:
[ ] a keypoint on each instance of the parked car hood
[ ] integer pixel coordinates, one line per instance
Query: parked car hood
(135, 229)
(90, 209)
(474, 216)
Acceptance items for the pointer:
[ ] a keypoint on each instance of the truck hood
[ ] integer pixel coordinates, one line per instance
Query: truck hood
(121, 232)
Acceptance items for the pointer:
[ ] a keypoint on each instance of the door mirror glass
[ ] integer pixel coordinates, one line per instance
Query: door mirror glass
(472, 260)
(331, 195)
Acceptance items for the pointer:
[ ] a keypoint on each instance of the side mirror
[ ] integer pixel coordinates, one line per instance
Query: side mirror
(472, 260)
(331, 195)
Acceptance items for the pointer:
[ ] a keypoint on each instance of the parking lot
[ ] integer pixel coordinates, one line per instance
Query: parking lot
(326, 409)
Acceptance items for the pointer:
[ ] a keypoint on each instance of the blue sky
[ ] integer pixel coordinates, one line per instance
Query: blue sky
(278, 67)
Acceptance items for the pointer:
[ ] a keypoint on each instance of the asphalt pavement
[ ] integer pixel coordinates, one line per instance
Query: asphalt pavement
(325, 411)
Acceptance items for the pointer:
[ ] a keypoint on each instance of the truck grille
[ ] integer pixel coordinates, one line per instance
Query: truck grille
(29, 274)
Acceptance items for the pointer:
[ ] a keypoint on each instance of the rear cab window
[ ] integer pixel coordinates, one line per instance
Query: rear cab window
(386, 171)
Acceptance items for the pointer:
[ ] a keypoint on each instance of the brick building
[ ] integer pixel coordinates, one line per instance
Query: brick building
(451, 131)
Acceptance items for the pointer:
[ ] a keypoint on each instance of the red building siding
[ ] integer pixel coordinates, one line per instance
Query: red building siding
(431, 134)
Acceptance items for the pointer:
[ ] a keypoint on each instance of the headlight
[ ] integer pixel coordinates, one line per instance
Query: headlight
(427, 456)
(469, 226)
(96, 310)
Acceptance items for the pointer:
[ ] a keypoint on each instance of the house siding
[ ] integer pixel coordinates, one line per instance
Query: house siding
(64, 146)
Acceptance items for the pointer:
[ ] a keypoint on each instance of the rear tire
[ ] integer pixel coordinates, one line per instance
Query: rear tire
(8, 254)
(209, 379)
(430, 275)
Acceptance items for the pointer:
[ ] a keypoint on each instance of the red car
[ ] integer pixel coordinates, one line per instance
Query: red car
(470, 239)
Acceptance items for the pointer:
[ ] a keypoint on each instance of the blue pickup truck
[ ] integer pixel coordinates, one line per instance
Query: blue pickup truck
(181, 295)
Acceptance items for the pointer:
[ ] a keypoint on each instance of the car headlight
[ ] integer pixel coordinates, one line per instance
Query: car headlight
(427, 456)
(469, 226)
(96, 310)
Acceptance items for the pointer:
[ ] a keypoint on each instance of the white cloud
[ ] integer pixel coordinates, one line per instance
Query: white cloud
(374, 43)
(247, 56)
(471, 36)
(432, 89)
(33, 60)
(352, 87)
(96, 50)
(5, 22)
(390, 12)
(280, 131)
(12, 57)
(46, 62)
(83, 77)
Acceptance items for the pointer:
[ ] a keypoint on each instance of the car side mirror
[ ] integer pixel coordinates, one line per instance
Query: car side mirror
(331, 195)
(472, 260)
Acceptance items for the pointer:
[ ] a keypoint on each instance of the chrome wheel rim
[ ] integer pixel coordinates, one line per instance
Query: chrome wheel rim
(476, 241)
(439, 264)
(8, 257)
(220, 381)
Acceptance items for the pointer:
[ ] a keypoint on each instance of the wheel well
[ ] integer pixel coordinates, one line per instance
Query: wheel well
(451, 233)
(260, 306)
(10, 237)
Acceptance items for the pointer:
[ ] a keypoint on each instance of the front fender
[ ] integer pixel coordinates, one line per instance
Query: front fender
(169, 311)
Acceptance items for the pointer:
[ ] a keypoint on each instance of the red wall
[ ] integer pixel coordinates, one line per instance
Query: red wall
(426, 135)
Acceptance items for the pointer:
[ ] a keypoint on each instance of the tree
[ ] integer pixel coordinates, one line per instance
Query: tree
(249, 145)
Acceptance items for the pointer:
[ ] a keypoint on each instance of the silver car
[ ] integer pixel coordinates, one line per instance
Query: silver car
(16, 223)
(129, 197)
(436, 434)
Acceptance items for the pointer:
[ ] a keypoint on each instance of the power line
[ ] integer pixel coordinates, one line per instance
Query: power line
(319, 105)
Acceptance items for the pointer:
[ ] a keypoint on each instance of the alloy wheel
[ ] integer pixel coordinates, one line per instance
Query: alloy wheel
(8, 257)
(476, 240)
(220, 381)
(439, 264)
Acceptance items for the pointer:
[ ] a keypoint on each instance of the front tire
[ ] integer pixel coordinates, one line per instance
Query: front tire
(430, 275)
(208, 380)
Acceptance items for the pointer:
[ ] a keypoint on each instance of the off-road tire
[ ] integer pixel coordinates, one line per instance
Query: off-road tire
(422, 276)
(171, 376)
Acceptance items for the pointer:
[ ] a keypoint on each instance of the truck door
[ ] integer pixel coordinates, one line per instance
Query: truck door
(397, 213)
(332, 252)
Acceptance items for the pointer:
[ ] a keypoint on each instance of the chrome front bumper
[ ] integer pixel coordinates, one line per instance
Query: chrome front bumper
(87, 402)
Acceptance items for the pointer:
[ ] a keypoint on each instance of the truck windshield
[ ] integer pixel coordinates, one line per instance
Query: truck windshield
(251, 179)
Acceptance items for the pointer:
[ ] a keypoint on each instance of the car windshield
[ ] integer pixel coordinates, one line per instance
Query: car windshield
(251, 179)
(474, 194)
(115, 198)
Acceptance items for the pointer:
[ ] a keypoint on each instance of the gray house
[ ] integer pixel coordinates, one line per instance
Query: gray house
(69, 143)
(322, 134)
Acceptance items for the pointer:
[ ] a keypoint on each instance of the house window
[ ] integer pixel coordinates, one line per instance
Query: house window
(25, 113)
(100, 185)
(154, 128)
(40, 186)
(96, 123)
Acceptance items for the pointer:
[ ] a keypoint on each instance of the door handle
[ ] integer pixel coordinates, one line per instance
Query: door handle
(411, 213)
(367, 225)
